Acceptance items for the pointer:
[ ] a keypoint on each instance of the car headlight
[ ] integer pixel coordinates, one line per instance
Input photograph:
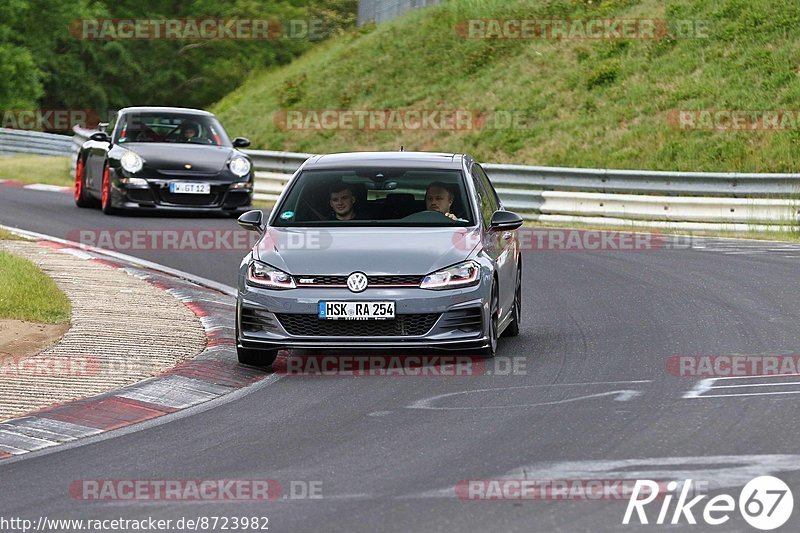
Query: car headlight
(240, 166)
(460, 275)
(263, 275)
(132, 162)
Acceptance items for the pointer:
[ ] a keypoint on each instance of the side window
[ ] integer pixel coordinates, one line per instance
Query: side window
(112, 122)
(485, 199)
(120, 129)
(487, 185)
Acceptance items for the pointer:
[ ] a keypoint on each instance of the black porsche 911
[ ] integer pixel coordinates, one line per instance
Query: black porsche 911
(164, 158)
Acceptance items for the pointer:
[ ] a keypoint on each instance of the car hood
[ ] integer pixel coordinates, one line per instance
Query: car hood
(324, 251)
(175, 156)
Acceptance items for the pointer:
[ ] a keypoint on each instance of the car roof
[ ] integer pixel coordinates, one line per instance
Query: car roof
(157, 109)
(368, 159)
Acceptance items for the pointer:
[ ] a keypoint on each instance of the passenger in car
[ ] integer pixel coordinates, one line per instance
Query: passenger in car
(439, 197)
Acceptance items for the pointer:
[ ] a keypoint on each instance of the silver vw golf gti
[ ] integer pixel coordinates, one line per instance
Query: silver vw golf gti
(381, 250)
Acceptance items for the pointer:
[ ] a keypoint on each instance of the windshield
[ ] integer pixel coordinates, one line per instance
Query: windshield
(376, 197)
(170, 128)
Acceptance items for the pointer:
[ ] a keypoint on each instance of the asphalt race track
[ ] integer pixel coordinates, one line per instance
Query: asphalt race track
(591, 398)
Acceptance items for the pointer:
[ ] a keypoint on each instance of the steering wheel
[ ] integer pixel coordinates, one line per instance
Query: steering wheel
(427, 216)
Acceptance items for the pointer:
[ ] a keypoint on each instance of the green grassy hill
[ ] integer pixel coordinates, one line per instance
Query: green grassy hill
(595, 103)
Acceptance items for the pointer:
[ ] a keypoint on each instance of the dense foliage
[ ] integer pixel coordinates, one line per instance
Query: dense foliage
(44, 62)
(585, 102)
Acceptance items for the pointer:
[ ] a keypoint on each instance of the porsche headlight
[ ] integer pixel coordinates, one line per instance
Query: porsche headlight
(131, 162)
(240, 166)
(460, 275)
(263, 275)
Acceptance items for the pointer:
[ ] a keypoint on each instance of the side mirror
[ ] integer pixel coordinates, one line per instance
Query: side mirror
(505, 221)
(100, 136)
(252, 220)
(241, 142)
(102, 126)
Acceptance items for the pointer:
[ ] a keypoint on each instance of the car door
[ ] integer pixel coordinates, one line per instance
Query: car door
(502, 244)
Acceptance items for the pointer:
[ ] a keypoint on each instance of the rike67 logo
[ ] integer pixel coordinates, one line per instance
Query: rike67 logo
(765, 503)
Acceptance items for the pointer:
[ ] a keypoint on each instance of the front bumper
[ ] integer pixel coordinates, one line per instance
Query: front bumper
(455, 319)
(157, 195)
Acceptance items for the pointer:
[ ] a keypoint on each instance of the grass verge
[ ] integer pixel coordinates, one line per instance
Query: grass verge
(6, 235)
(52, 170)
(26, 293)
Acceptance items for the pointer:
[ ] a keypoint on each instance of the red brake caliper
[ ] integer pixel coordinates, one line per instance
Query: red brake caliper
(78, 179)
(106, 187)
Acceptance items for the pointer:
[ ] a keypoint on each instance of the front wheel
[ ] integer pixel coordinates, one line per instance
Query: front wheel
(253, 357)
(82, 198)
(494, 319)
(105, 199)
(512, 330)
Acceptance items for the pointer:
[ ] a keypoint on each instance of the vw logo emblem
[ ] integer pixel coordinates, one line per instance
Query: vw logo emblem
(357, 281)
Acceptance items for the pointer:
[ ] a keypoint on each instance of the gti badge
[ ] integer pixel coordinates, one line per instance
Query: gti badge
(357, 281)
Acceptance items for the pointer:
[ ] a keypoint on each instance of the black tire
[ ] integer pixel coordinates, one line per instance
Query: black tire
(512, 330)
(106, 202)
(491, 350)
(259, 358)
(82, 196)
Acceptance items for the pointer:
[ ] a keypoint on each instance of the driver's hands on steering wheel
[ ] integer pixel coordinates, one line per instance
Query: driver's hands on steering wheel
(448, 215)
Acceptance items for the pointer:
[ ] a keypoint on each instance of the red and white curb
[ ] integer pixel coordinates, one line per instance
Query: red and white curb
(213, 373)
(37, 186)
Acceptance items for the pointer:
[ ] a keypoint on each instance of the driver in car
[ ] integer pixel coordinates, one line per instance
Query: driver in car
(439, 197)
(189, 132)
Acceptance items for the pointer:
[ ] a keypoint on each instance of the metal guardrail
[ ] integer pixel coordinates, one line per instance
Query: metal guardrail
(683, 200)
(383, 10)
(34, 142)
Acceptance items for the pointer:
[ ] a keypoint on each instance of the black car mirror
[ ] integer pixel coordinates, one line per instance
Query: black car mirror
(100, 136)
(505, 221)
(252, 220)
(241, 142)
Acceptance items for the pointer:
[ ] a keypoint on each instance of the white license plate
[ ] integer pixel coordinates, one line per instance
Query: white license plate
(356, 310)
(190, 188)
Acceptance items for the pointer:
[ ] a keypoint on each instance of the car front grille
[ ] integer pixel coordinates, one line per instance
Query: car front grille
(394, 280)
(190, 199)
(312, 326)
(140, 195)
(382, 281)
